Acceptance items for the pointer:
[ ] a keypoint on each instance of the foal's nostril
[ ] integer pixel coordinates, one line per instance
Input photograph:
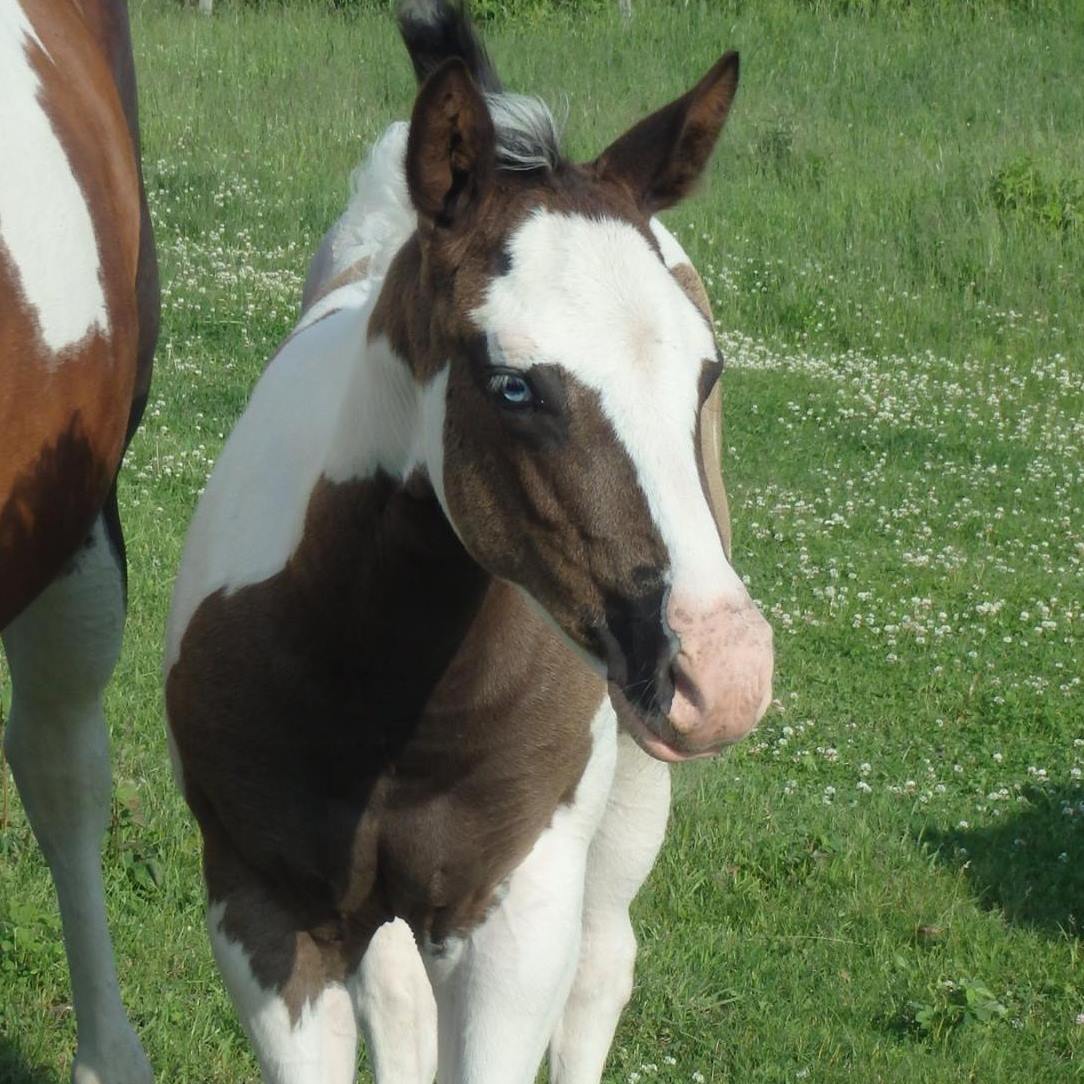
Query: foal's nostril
(685, 687)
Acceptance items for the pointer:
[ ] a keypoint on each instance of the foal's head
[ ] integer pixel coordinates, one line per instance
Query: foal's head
(565, 371)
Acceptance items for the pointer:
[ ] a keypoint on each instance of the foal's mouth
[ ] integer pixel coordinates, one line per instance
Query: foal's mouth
(646, 721)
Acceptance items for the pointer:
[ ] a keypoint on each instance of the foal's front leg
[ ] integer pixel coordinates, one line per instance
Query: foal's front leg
(500, 990)
(299, 1018)
(395, 1008)
(621, 857)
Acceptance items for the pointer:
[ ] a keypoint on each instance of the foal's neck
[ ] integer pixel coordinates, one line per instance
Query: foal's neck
(410, 584)
(406, 313)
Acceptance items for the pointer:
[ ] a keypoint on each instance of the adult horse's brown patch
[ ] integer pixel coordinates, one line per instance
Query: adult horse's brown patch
(65, 419)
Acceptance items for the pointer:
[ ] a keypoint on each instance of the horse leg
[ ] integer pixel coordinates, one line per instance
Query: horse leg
(500, 989)
(621, 856)
(395, 1006)
(61, 651)
(298, 1015)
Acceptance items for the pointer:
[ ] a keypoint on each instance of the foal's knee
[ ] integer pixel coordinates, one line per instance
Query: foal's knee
(392, 981)
(608, 959)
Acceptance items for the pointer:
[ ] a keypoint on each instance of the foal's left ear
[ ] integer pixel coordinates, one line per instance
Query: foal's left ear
(660, 159)
(451, 149)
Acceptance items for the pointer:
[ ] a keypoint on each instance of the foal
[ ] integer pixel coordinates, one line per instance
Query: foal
(466, 527)
(78, 322)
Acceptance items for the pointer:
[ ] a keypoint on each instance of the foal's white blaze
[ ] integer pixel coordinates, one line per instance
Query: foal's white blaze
(673, 255)
(45, 224)
(591, 296)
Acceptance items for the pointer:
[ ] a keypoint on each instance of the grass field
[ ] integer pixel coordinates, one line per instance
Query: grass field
(886, 883)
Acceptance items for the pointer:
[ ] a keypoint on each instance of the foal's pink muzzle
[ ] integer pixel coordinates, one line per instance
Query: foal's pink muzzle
(722, 676)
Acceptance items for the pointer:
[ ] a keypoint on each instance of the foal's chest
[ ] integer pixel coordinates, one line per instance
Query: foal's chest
(353, 775)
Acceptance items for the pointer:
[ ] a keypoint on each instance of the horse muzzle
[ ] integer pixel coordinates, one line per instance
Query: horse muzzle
(712, 685)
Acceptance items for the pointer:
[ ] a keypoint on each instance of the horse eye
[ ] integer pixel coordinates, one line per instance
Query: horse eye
(511, 389)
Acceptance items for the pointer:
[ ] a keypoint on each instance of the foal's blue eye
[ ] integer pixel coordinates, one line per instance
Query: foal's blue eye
(512, 390)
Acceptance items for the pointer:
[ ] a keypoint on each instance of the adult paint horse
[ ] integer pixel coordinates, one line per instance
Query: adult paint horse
(469, 523)
(78, 322)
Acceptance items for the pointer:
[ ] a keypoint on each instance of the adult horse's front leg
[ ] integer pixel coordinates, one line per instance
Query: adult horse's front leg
(500, 990)
(62, 650)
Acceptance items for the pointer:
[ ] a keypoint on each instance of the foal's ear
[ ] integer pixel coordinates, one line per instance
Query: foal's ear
(451, 152)
(660, 159)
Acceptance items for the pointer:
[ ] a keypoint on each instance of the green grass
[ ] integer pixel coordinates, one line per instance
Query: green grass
(886, 883)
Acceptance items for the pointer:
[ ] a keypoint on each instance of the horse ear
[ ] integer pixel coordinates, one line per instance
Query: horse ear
(661, 158)
(451, 149)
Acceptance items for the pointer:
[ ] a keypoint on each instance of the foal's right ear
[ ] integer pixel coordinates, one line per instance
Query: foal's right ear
(451, 149)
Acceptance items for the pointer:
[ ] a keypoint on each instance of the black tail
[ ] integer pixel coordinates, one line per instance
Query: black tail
(435, 30)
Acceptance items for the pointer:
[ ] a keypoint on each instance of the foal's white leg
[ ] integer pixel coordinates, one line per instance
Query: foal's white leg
(61, 651)
(500, 990)
(396, 1009)
(620, 859)
(314, 1044)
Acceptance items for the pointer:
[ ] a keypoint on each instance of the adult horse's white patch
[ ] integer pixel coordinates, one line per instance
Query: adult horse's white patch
(592, 296)
(45, 224)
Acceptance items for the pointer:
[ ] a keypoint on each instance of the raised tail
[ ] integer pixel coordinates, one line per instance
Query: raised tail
(435, 30)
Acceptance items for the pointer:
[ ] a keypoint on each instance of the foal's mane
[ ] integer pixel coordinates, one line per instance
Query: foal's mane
(528, 137)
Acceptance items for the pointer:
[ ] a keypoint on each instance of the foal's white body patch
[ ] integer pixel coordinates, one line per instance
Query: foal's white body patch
(591, 296)
(45, 224)
(329, 405)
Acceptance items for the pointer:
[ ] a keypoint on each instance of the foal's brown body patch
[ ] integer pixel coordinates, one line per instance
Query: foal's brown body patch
(379, 729)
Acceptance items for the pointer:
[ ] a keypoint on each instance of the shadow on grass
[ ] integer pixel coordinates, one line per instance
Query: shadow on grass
(1030, 864)
(15, 1069)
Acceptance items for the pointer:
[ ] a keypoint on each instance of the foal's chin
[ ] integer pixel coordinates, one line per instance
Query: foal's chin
(654, 734)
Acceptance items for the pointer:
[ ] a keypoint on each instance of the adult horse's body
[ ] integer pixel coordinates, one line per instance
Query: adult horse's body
(465, 526)
(78, 322)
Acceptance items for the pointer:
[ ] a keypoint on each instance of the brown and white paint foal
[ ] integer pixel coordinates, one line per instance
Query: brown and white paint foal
(469, 524)
(78, 322)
